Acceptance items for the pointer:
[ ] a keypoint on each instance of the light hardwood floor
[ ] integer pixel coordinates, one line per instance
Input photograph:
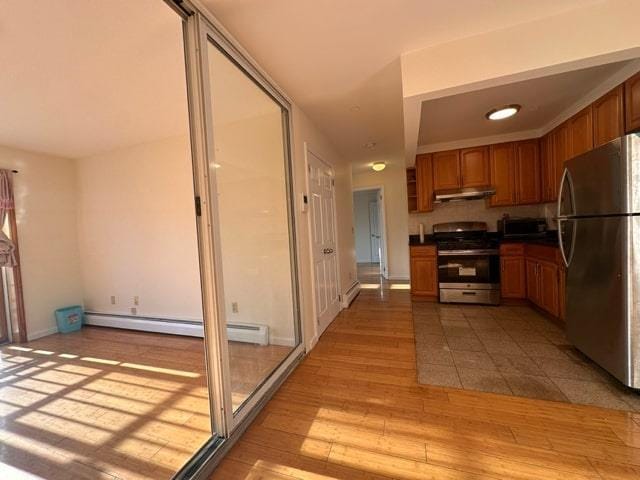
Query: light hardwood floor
(354, 410)
(113, 404)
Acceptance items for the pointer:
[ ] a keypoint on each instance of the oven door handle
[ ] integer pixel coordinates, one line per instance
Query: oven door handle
(466, 253)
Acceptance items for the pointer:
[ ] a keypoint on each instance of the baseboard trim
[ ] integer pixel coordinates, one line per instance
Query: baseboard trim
(190, 329)
(398, 277)
(41, 333)
(351, 294)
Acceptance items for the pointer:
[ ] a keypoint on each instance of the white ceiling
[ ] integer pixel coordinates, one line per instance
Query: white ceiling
(81, 77)
(332, 55)
(458, 117)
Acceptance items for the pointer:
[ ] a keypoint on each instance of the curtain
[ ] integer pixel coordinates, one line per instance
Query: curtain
(7, 248)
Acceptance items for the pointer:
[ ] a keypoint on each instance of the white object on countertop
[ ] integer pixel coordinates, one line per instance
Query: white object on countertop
(421, 233)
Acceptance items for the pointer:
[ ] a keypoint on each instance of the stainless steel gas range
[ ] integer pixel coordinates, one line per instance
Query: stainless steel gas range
(468, 263)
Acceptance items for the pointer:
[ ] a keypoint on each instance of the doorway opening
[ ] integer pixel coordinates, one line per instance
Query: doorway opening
(370, 234)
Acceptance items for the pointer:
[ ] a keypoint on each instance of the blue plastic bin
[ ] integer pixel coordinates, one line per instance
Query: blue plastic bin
(69, 319)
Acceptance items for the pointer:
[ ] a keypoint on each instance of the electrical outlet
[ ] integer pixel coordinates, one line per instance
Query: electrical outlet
(134, 311)
(136, 300)
(234, 307)
(113, 299)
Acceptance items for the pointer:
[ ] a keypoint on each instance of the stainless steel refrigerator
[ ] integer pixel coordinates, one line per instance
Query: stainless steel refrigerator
(599, 230)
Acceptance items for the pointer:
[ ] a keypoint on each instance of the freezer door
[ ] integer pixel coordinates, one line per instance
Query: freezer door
(603, 181)
(597, 293)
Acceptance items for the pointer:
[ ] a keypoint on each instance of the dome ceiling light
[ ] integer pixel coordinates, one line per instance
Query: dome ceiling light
(503, 112)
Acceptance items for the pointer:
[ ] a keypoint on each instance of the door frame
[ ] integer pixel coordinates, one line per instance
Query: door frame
(377, 214)
(384, 259)
(316, 332)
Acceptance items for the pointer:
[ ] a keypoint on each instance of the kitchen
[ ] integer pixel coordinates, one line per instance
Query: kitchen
(483, 222)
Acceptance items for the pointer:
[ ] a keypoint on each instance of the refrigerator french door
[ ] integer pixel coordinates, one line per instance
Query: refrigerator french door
(598, 225)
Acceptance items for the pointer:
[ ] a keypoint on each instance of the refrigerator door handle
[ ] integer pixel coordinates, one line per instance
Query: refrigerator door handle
(566, 256)
(566, 184)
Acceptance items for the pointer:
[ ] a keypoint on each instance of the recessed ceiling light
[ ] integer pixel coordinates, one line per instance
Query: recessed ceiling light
(379, 166)
(503, 112)
(369, 145)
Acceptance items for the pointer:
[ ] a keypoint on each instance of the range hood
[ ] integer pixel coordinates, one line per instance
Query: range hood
(463, 194)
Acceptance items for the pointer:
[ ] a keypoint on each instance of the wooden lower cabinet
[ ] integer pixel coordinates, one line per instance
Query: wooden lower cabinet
(543, 279)
(549, 285)
(533, 283)
(512, 277)
(424, 271)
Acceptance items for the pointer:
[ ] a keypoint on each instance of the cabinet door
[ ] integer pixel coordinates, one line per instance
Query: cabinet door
(581, 132)
(608, 117)
(446, 170)
(424, 183)
(533, 284)
(474, 167)
(424, 276)
(632, 103)
(548, 274)
(527, 172)
(560, 150)
(548, 170)
(502, 169)
(512, 277)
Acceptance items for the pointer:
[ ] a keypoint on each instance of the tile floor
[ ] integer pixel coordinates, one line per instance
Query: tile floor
(512, 351)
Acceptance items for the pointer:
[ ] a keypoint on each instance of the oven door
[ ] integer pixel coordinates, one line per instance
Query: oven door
(469, 276)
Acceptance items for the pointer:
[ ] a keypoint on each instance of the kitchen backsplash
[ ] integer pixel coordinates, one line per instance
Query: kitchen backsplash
(476, 210)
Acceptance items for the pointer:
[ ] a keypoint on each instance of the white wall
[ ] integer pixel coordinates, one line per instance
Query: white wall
(362, 224)
(137, 231)
(394, 180)
(45, 195)
(304, 131)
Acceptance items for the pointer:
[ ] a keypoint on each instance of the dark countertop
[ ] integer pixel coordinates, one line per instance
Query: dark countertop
(415, 240)
(550, 239)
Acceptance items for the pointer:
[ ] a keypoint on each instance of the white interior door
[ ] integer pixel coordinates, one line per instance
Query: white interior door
(323, 239)
(374, 229)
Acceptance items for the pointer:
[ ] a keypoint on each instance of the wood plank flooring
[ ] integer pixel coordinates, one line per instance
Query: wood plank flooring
(112, 404)
(354, 410)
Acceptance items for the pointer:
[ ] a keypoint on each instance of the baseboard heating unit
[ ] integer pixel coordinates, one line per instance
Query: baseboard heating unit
(246, 333)
(351, 294)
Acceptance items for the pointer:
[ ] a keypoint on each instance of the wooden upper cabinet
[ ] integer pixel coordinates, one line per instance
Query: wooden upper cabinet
(446, 170)
(608, 117)
(581, 132)
(548, 170)
(474, 167)
(502, 170)
(424, 183)
(632, 103)
(527, 172)
(560, 150)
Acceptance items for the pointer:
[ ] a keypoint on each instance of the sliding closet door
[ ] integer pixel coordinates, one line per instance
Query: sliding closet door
(246, 126)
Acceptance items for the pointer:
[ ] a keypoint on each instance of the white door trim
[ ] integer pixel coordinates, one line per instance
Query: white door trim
(316, 333)
(384, 259)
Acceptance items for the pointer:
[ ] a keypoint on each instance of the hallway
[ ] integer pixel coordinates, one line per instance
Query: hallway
(354, 410)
